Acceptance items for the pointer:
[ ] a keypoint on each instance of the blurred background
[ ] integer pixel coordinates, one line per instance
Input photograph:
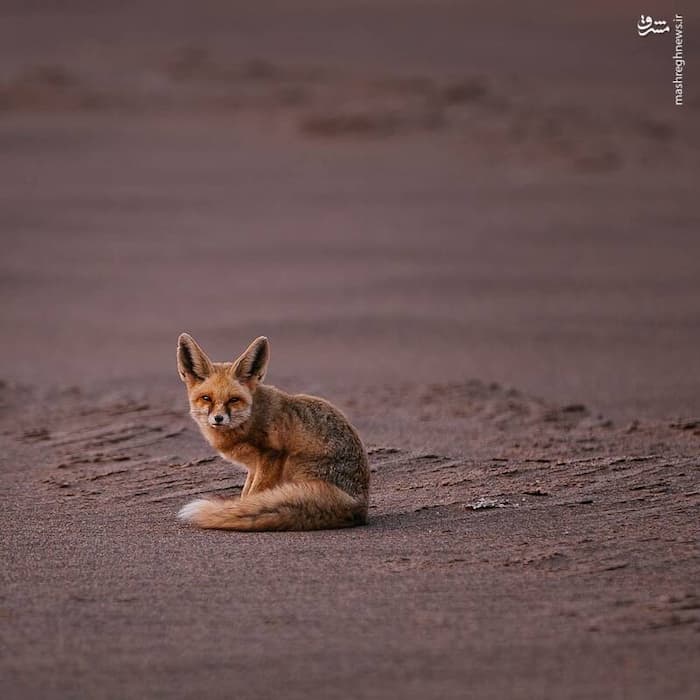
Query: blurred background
(390, 190)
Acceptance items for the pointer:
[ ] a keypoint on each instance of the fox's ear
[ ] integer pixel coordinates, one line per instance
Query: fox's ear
(192, 362)
(252, 364)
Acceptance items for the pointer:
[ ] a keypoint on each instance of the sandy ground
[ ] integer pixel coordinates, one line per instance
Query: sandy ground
(483, 248)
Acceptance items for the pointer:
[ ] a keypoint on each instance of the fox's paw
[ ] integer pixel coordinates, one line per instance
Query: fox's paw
(198, 512)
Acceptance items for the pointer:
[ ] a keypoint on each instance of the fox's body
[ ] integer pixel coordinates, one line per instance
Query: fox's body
(307, 468)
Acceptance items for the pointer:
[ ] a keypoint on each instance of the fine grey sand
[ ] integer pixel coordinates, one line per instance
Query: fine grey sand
(473, 228)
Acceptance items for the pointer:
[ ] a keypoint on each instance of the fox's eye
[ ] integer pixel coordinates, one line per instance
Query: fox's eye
(206, 398)
(234, 399)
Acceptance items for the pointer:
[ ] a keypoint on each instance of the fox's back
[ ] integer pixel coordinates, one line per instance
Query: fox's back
(317, 436)
(345, 463)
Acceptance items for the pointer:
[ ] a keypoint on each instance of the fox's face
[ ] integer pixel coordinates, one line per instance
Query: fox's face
(221, 393)
(220, 401)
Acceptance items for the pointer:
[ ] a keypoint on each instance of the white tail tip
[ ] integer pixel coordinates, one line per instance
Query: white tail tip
(190, 512)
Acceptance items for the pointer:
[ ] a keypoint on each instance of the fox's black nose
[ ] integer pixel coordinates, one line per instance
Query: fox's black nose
(219, 418)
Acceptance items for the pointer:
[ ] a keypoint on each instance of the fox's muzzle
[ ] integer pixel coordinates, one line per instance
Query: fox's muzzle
(218, 419)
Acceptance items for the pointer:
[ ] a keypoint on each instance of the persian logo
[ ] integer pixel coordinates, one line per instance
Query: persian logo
(647, 25)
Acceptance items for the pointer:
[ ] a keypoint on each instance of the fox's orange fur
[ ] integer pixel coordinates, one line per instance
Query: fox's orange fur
(307, 468)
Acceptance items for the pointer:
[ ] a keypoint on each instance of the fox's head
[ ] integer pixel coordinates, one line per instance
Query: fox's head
(221, 393)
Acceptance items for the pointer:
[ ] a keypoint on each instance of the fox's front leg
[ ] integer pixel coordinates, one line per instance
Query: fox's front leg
(265, 477)
(257, 480)
(247, 485)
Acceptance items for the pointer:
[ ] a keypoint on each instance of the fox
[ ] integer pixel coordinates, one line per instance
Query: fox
(307, 468)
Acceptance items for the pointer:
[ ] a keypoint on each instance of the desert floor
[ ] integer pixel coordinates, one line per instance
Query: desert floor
(475, 228)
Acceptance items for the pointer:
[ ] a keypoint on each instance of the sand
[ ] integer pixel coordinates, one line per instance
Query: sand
(480, 246)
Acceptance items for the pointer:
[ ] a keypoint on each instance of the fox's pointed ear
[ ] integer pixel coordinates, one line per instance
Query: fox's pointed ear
(193, 364)
(252, 364)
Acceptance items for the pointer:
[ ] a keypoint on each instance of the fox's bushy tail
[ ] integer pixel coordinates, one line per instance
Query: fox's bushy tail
(311, 505)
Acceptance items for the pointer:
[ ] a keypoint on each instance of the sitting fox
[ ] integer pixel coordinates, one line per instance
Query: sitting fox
(307, 468)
